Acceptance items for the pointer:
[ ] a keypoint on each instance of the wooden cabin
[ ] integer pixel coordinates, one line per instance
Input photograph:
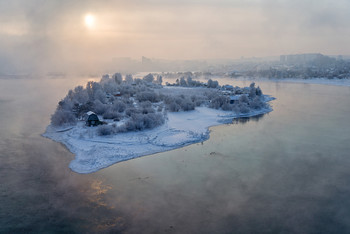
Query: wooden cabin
(234, 99)
(92, 119)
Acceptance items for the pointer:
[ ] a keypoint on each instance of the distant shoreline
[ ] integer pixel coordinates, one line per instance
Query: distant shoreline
(319, 81)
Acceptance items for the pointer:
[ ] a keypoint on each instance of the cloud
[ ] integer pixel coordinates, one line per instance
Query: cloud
(307, 15)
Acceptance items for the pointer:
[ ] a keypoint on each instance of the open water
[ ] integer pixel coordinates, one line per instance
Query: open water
(284, 172)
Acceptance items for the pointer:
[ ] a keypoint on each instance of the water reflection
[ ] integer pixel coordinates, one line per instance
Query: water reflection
(39, 193)
(244, 120)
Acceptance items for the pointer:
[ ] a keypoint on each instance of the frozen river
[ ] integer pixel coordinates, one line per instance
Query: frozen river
(287, 171)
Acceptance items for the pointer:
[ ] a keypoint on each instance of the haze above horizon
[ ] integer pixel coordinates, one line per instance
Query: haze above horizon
(65, 35)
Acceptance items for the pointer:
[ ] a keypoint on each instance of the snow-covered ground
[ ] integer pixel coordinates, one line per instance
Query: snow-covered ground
(93, 152)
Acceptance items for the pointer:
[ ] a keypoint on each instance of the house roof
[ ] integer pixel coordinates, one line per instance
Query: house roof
(90, 113)
(235, 97)
(230, 87)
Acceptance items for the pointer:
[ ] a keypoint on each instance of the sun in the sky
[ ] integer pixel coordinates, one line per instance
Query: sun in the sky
(90, 21)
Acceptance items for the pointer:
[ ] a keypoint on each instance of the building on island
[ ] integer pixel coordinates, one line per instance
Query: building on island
(234, 98)
(92, 119)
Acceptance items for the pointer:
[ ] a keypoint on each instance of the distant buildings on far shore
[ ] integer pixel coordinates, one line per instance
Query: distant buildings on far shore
(300, 58)
(304, 58)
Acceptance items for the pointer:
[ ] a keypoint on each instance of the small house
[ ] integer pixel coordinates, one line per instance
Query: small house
(227, 87)
(92, 119)
(234, 99)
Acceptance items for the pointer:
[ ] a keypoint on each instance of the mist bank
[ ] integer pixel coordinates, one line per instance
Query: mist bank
(304, 66)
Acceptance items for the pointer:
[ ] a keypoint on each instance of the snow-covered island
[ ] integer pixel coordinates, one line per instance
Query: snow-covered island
(119, 119)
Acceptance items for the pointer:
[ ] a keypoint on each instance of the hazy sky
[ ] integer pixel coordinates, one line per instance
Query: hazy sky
(53, 35)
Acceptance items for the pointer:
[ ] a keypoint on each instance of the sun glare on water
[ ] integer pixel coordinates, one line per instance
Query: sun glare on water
(90, 21)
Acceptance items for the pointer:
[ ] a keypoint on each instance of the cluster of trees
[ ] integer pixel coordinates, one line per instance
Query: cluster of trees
(110, 98)
(301, 72)
(143, 104)
(179, 103)
(189, 82)
(137, 122)
(196, 75)
(253, 100)
(320, 67)
(151, 79)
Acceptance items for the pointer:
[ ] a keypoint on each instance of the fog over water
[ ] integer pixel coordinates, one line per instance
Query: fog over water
(39, 194)
(286, 171)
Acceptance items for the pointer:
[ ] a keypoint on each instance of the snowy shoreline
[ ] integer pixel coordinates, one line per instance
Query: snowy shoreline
(93, 152)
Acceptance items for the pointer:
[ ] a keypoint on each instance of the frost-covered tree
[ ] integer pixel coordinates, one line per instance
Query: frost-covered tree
(129, 79)
(243, 99)
(149, 78)
(139, 122)
(100, 95)
(148, 96)
(138, 81)
(159, 79)
(118, 78)
(218, 101)
(147, 110)
(198, 100)
(99, 108)
(258, 91)
(105, 78)
(131, 110)
(61, 117)
(212, 84)
(80, 109)
(183, 82)
(119, 106)
(187, 105)
(174, 107)
(66, 104)
(190, 81)
(243, 108)
(112, 114)
(177, 103)
(257, 103)
(105, 130)
(80, 95)
(91, 89)
(145, 104)
(227, 106)
(109, 86)
(252, 91)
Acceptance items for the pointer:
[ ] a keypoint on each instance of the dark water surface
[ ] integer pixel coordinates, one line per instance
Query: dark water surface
(285, 172)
